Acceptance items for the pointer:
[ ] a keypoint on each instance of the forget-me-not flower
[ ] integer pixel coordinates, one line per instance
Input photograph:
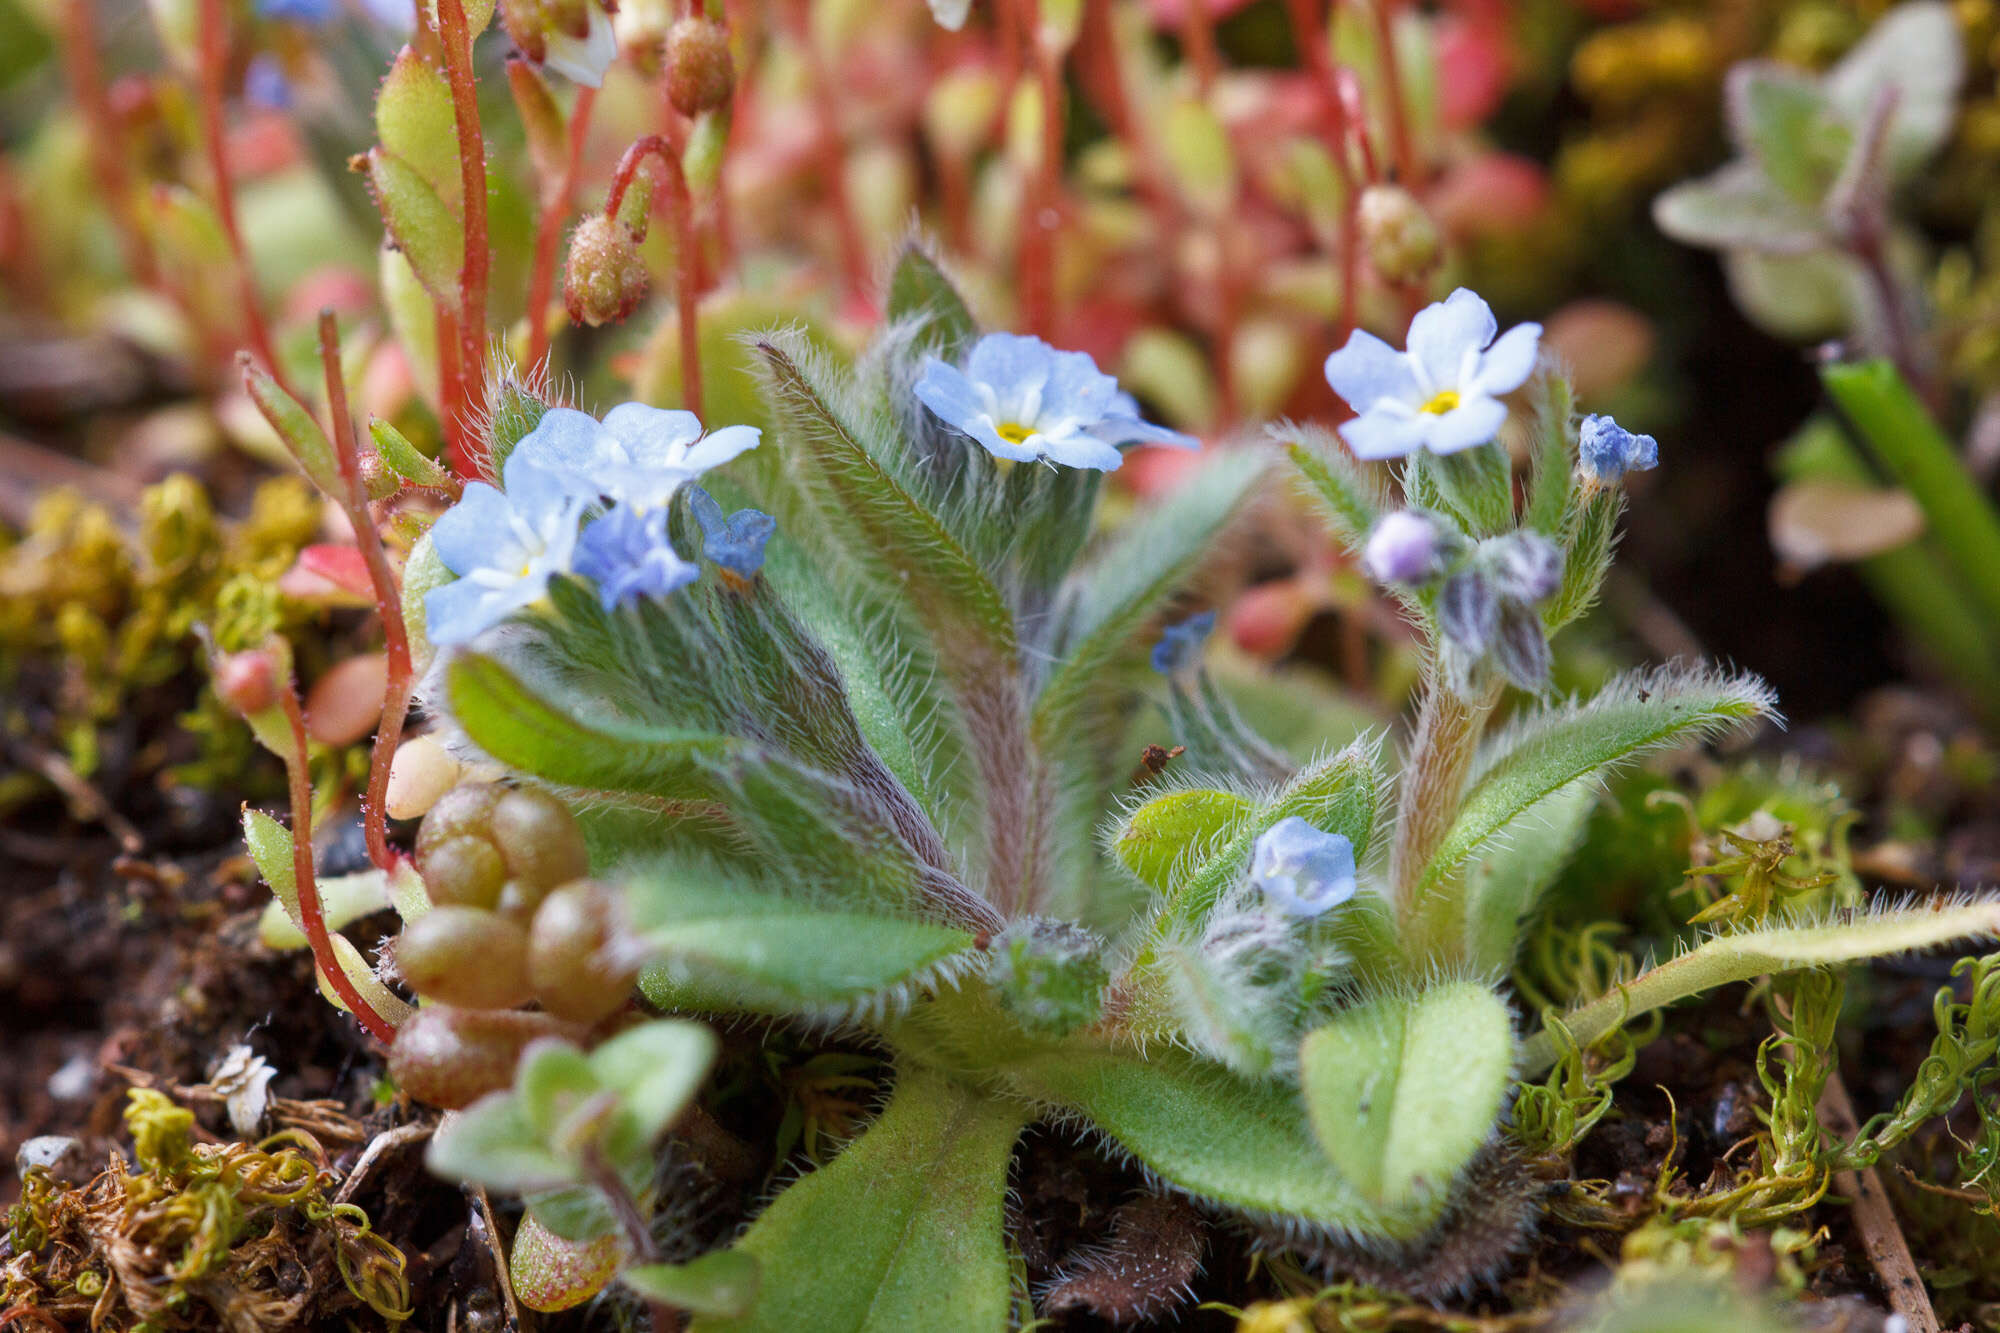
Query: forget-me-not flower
(1406, 547)
(736, 542)
(637, 455)
(1443, 393)
(1607, 451)
(627, 554)
(504, 546)
(1020, 398)
(1180, 645)
(1303, 870)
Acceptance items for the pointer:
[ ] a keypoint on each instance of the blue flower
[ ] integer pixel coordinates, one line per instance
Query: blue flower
(637, 455)
(265, 85)
(1302, 870)
(1608, 451)
(1179, 647)
(627, 554)
(504, 547)
(737, 542)
(1022, 399)
(1442, 394)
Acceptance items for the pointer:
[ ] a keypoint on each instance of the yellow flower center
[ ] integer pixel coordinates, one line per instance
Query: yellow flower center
(1445, 401)
(1013, 432)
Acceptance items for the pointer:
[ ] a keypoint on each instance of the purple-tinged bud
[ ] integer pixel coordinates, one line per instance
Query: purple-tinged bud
(605, 278)
(700, 73)
(1524, 566)
(1468, 612)
(1607, 451)
(1406, 548)
(1521, 649)
(1397, 234)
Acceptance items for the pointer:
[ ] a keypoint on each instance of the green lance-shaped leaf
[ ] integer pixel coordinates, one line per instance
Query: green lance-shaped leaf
(1503, 887)
(270, 845)
(920, 291)
(424, 227)
(414, 119)
(1403, 1090)
(723, 1284)
(901, 1231)
(405, 459)
(1345, 490)
(1239, 1142)
(1637, 713)
(529, 730)
(299, 430)
(1844, 937)
(1124, 589)
(969, 621)
(732, 945)
(1166, 838)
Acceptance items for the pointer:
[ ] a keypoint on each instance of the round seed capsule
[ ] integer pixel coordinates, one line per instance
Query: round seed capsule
(539, 838)
(576, 960)
(463, 871)
(452, 1057)
(465, 809)
(465, 957)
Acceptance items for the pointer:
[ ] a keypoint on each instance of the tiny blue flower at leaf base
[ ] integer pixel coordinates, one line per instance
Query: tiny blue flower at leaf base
(1302, 870)
(1407, 547)
(627, 554)
(737, 542)
(1607, 451)
(638, 455)
(1443, 393)
(504, 546)
(1179, 648)
(1021, 399)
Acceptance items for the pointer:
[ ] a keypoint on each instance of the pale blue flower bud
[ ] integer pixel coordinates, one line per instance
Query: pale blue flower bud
(1406, 547)
(1179, 648)
(1302, 870)
(1524, 566)
(736, 542)
(1607, 451)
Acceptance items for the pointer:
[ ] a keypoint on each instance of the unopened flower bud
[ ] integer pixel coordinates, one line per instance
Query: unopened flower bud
(1302, 870)
(247, 681)
(1398, 235)
(1607, 451)
(1405, 548)
(700, 74)
(1524, 566)
(605, 278)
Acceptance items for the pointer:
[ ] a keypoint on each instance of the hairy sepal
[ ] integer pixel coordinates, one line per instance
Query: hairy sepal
(1404, 1089)
(904, 1225)
(1843, 937)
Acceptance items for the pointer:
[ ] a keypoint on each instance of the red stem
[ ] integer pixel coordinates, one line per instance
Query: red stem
(548, 230)
(1308, 36)
(1100, 57)
(86, 80)
(310, 917)
(833, 159)
(686, 261)
(473, 269)
(1198, 40)
(1408, 168)
(214, 46)
(388, 599)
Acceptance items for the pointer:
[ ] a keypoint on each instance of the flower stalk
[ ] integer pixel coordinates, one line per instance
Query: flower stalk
(680, 203)
(469, 375)
(214, 62)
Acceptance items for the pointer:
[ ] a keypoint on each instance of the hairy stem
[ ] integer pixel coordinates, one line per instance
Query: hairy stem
(214, 42)
(388, 599)
(686, 281)
(832, 161)
(1198, 41)
(548, 230)
(1447, 738)
(1401, 141)
(456, 41)
(310, 917)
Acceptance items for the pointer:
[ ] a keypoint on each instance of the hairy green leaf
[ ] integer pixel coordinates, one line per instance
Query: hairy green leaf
(1736, 207)
(1347, 492)
(1403, 1090)
(723, 1283)
(1168, 835)
(1503, 886)
(901, 1231)
(919, 290)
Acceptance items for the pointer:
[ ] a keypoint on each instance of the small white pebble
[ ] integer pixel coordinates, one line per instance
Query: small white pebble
(73, 1082)
(422, 771)
(1896, 1323)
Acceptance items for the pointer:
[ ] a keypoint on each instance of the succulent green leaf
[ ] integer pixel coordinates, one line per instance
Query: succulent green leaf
(1636, 714)
(1403, 1090)
(1503, 886)
(1844, 937)
(298, 429)
(1737, 207)
(493, 1143)
(900, 1231)
(552, 1080)
(551, 1274)
(919, 290)
(404, 458)
(343, 900)
(730, 946)
(414, 119)
(723, 1283)
(1162, 839)
(270, 845)
(1240, 1142)
(424, 227)
(656, 1069)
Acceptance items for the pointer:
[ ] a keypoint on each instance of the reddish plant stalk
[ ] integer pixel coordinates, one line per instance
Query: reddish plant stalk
(465, 460)
(832, 161)
(456, 41)
(388, 599)
(311, 919)
(86, 80)
(1099, 56)
(1310, 39)
(1409, 171)
(1040, 202)
(548, 229)
(214, 60)
(686, 261)
(1198, 40)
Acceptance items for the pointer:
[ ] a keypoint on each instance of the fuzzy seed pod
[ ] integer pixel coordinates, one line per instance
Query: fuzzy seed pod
(466, 957)
(605, 278)
(700, 74)
(1399, 237)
